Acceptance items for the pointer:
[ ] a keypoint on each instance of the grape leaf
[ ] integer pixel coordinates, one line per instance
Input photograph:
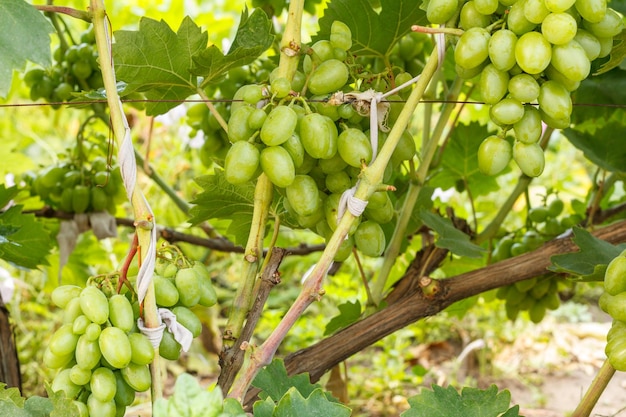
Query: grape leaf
(264, 408)
(348, 314)
(252, 39)
(591, 261)
(191, 400)
(24, 37)
(293, 403)
(41, 407)
(605, 89)
(459, 164)
(618, 53)
(609, 152)
(6, 194)
(450, 237)
(224, 201)
(8, 408)
(63, 406)
(372, 33)
(11, 395)
(472, 402)
(23, 240)
(275, 383)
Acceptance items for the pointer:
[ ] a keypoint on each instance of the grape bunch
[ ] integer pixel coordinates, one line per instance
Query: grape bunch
(76, 70)
(102, 358)
(535, 295)
(310, 147)
(73, 186)
(613, 302)
(530, 55)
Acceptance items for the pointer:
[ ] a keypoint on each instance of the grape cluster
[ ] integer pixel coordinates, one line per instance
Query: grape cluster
(535, 295)
(76, 70)
(102, 359)
(530, 55)
(79, 187)
(613, 302)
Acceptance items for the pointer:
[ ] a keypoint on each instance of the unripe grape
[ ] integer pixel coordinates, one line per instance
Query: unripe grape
(558, 28)
(528, 129)
(553, 75)
(555, 100)
(470, 17)
(529, 157)
(486, 7)
(493, 84)
(340, 35)
(533, 52)
(589, 42)
(517, 21)
(592, 11)
(440, 11)
(535, 11)
(610, 25)
(507, 112)
(502, 49)
(494, 155)
(369, 238)
(524, 87)
(472, 48)
(557, 6)
(241, 163)
(571, 60)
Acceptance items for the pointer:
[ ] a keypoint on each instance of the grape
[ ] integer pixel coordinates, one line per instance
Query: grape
(557, 6)
(137, 377)
(62, 382)
(533, 52)
(471, 17)
(238, 129)
(592, 11)
(333, 164)
(87, 352)
(80, 376)
(303, 195)
(590, 44)
(322, 51)
(124, 394)
(380, 215)
(188, 287)
(369, 238)
(555, 101)
(294, 147)
(494, 155)
(279, 126)
(63, 341)
(318, 135)
(94, 305)
(340, 35)
(606, 46)
(405, 149)
(280, 87)
(615, 276)
(103, 385)
(278, 166)
(529, 157)
(241, 163)
(486, 7)
(535, 11)
(440, 11)
(115, 347)
(555, 207)
(559, 28)
(523, 87)
(98, 408)
(472, 48)
(609, 26)
(507, 112)
(329, 77)
(501, 49)
(338, 182)
(616, 306)
(121, 312)
(72, 311)
(80, 199)
(538, 214)
(354, 147)
(528, 129)
(493, 84)
(165, 291)
(256, 119)
(517, 21)
(141, 349)
(63, 294)
(188, 319)
(169, 348)
(571, 60)
(552, 74)
(79, 326)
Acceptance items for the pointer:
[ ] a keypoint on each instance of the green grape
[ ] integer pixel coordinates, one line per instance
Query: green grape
(188, 287)
(486, 7)
(540, 289)
(533, 52)
(555, 101)
(338, 182)
(606, 46)
(103, 385)
(318, 135)
(63, 341)
(345, 249)
(280, 87)
(94, 304)
(571, 60)
(537, 312)
(555, 207)
(53, 361)
(322, 50)
(516, 20)
(33, 76)
(507, 112)
(405, 149)
(472, 48)
(493, 84)
(141, 349)
(494, 155)
(124, 394)
(137, 377)
(528, 129)
(469, 73)
(410, 46)
(121, 312)
(81, 69)
(340, 35)
(552, 74)
(380, 215)
(616, 306)
(529, 157)
(252, 94)
(188, 319)
(115, 347)
(354, 147)
(471, 17)
(256, 119)
(279, 126)
(557, 6)
(241, 163)
(278, 166)
(63, 294)
(615, 276)
(609, 26)
(303, 195)
(169, 348)
(501, 49)
(525, 285)
(559, 28)
(590, 43)
(440, 11)
(72, 311)
(535, 11)
(79, 326)
(98, 198)
(554, 123)
(328, 77)
(92, 332)
(592, 11)
(98, 408)
(523, 87)
(294, 147)
(238, 129)
(165, 291)
(333, 164)
(369, 238)
(502, 250)
(62, 382)
(532, 240)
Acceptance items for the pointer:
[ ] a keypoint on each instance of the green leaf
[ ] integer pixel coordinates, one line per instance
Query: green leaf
(24, 37)
(472, 402)
(224, 201)
(274, 381)
(11, 395)
(606, 147)
(591, 261)
(293, 404)
(40, 406)
(8, 408)
(450, 237)
(372, 33)
(254, 36)
(232, 408)
(63, 406)
(605, 89)
(157, 61)
(459, 165)
(193, 401)
(6, 194)
(264, 408)
(348, 314)
(617, 54)
(23, 240)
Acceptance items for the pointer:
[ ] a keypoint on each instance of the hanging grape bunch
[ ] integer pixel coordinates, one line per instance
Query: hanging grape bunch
(613, 302)
(531, 55)
(312, 148)
(76, 70)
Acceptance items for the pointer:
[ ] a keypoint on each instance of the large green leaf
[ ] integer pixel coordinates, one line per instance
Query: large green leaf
(349, 312)
(591, 261)
(23, 240)
(596, 95)
(317, 404)
(274, 381)
(224, 201)
(450, 237)
(606, 147)
(373, 33)
(472, 402)
(24, 36)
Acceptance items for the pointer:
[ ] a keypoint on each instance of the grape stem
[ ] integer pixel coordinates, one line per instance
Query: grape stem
(212, 109)
(428, 29)
(78, 14)
(141, 209)
(597, 387)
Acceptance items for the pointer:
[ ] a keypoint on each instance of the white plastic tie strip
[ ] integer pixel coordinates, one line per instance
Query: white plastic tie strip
(348, 201)
(167, 319)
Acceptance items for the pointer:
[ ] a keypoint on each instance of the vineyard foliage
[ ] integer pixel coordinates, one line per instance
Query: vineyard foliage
(244, 168)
